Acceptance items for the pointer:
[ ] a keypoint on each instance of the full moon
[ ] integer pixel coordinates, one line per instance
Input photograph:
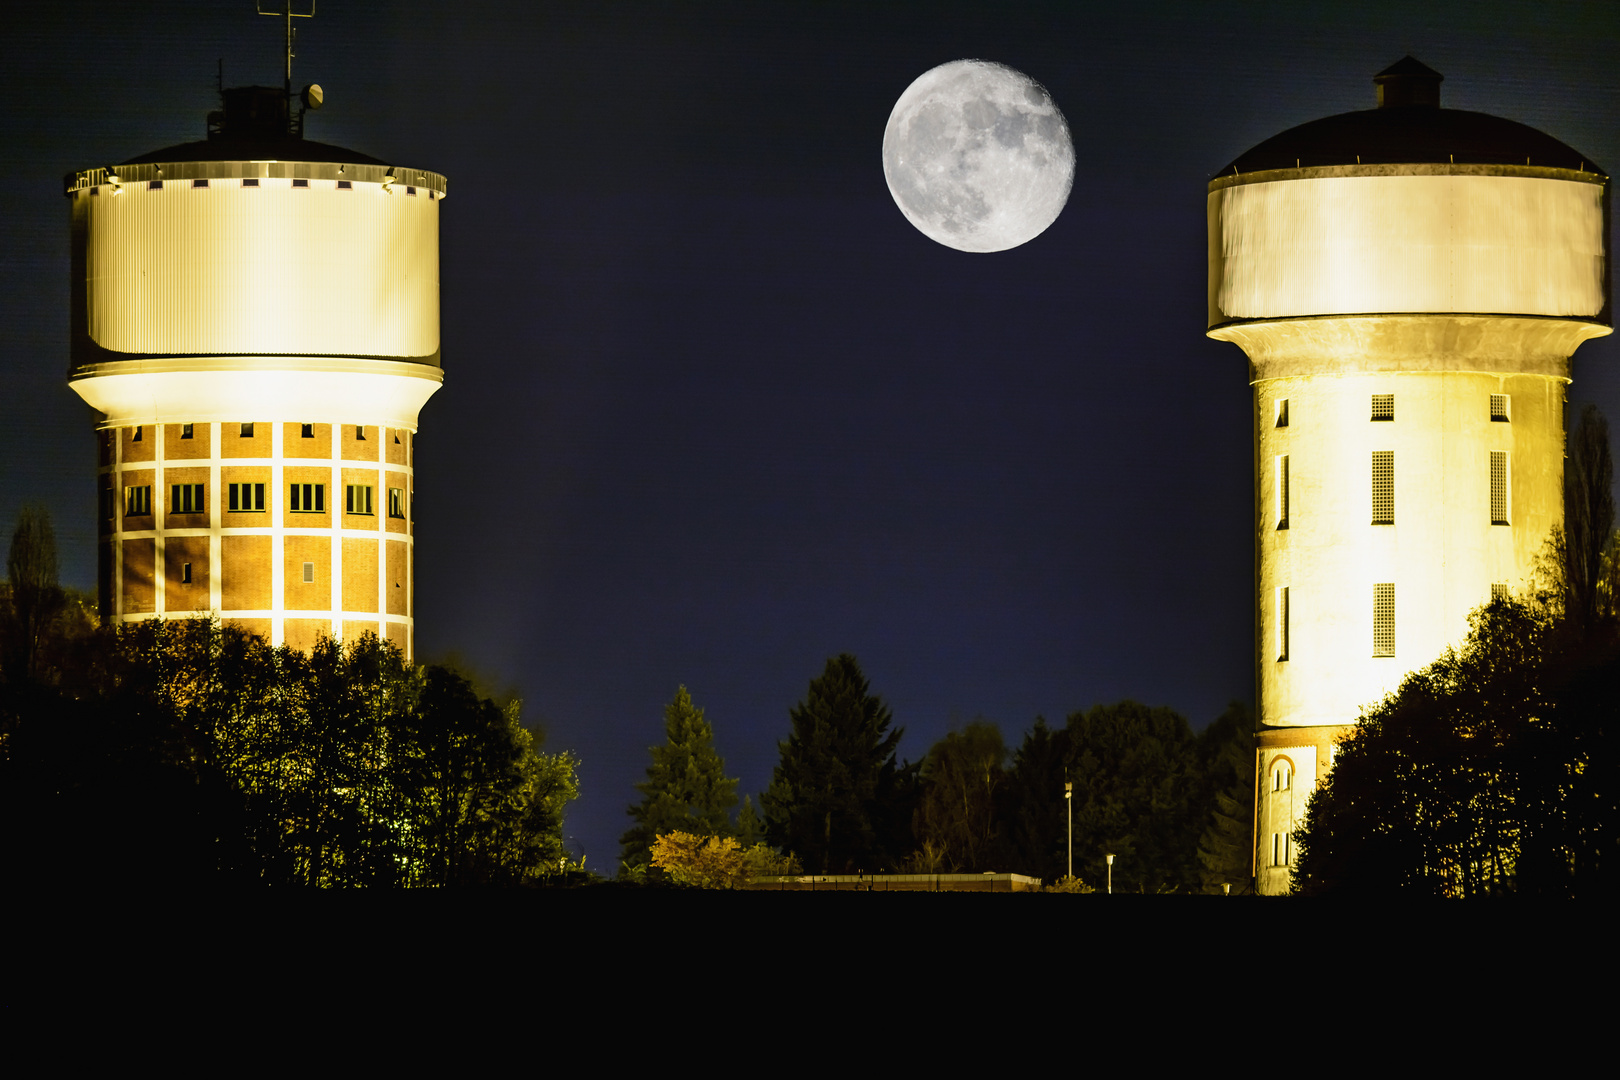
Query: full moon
(978, 156)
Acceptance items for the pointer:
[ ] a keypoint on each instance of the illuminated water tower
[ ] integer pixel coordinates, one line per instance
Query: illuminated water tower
(256, 317)
(1409, 284)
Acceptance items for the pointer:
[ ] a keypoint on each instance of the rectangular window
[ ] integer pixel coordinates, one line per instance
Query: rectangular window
(185, 430)
(309, 573)
(186, 499)
(359, 433)
(1383, 406)
(307, 499)
(300, 182)
(250, 181)
(1383, 487)
(109, 502)
(1282, 412)
(247, 431)
(137, 436)
(308, 431)
(1499, 591)
(138, 501)
(1499, 487)
(357, 499)
(396, 502)
(1384, 619)
(247, 498)
(185, 573)
(1282, 491)
(154, 185)
(200, 182)
(344, 185)
(1282, 623)
(1499, 408)
(1279, 849)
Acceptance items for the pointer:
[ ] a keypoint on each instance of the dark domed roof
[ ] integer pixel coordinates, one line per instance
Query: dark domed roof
(1410, 128)
(256, 148)
(255, 123)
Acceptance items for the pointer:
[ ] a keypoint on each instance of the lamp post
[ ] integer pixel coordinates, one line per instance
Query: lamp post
(1110, 875)
(1068, 800)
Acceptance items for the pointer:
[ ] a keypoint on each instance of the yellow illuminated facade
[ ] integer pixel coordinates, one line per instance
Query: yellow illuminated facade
(256, 320)
(1409, 325)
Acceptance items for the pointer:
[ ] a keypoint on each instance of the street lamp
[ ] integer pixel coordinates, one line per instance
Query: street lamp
(1110, 875)
(1068, 800)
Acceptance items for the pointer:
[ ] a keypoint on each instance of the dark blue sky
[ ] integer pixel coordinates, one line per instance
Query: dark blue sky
(713, 411)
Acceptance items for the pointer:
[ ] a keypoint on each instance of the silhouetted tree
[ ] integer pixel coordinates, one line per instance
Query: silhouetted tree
(36, 595)
(1588, 517)
(1227, 763)
(185, 751)
(957, 825)
(838, 799)
(686, 789)
(1035, 820)
(1136, 784)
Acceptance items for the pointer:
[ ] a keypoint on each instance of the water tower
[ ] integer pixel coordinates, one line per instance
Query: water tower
(256, 318)
(1409, 284)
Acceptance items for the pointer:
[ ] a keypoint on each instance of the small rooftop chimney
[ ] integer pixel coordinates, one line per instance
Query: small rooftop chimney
(1407, 83)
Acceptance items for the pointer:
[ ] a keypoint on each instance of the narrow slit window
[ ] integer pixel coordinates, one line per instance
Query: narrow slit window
(1279, 849)
(136, 437)
(309, 573)
(186, 499)
(307, 498)
(1282, 412)
(1384, 619)
(1383, 487)
(1499, 487)
(1282, 623)
(1282, 491)
(185, 573)
(1499, 408)
(359, 433)
(357, 499)
(1282, 776)
(186, 430)
(396, 502)
(1383, 406)
(247, 431)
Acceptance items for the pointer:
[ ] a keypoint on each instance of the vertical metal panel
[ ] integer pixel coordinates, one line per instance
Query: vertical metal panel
(273, 269)
(1366, 244)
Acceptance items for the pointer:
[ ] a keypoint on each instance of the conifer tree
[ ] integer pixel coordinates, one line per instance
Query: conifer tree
(686, 789)
(837, 799)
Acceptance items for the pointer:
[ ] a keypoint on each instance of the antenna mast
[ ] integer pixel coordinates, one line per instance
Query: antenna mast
(289, 15)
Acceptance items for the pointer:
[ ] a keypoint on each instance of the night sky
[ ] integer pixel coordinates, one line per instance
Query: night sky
(713, 410)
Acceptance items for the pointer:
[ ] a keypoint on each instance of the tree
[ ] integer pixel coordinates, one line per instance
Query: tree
(1439, 790)
(837, 799)
(1588, 517)
(957, 824)
(1035, 820)
(36, 594)
(1226, 846)
(716, 862)
(1136, 786)
(686, 789)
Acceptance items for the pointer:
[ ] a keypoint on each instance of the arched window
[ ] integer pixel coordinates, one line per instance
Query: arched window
(1282, 774)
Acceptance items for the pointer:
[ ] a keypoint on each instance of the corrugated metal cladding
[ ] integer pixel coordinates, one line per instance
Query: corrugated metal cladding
(269, 269)
(1370, 244)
